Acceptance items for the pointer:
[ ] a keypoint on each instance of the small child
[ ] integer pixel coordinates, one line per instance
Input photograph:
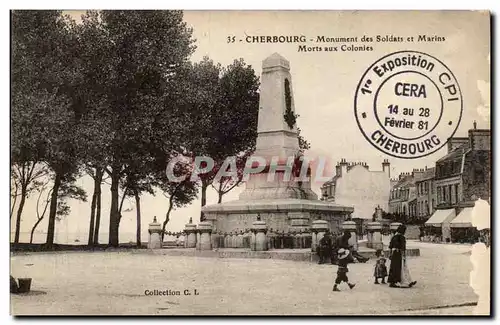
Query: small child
(342, 269)
(380, 268)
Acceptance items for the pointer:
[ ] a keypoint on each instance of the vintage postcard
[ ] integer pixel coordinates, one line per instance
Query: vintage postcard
(250, 162)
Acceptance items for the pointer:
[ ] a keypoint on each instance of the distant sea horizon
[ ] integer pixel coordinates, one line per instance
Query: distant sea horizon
(78, 238)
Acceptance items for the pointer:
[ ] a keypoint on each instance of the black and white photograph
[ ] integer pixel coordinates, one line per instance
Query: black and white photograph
(244, 162)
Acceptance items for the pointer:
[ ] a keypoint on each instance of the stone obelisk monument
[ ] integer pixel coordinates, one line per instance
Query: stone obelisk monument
(277, 140)
(284, 203)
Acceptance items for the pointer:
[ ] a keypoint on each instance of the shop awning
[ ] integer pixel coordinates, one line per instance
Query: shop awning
(440, 216)
(463, 220)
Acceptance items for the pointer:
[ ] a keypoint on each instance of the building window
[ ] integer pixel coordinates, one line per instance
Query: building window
(457, 198)
(449, 194)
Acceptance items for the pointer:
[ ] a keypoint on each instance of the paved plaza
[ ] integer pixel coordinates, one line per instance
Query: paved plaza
(115, 283)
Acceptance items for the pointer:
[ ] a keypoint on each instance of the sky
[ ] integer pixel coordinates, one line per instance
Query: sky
(324, 84)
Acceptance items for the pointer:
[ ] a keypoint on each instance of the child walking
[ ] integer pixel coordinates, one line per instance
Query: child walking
(380, 268)
(343, 260)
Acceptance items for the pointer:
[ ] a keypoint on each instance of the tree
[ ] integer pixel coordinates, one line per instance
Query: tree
(179, 194)
(223, 185)
(45, 76)
(144, 50)
(45, 204)
(37, 80)
(66, 191)
(138, 179)
(224, 106)
(93, 106)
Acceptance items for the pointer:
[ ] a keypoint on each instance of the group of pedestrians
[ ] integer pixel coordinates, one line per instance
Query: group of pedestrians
(329, 245)
(343, 254)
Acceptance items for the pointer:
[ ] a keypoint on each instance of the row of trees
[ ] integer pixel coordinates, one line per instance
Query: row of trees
(115, 97)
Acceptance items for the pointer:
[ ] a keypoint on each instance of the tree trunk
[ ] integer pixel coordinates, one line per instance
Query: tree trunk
(14, 203)
(92, 216)
(167, 218)
(33, 229)
(19, 213)
(220, 192)
(114, 214)
(204, 187)
(53, 210)
(39, 217)
(138, 211)
(97, 191)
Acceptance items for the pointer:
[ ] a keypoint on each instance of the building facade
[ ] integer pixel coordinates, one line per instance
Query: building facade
(464, 174)
(426, 193)
(356, 185)
(403, 195)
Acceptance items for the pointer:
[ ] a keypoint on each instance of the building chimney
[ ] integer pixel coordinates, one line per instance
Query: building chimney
(386, 167)
(338, 170)
(343, 167)
(475, 124)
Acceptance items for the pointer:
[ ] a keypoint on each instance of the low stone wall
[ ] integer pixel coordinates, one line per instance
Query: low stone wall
(282, 254)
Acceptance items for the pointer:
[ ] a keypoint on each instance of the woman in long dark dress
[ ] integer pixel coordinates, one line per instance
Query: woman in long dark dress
(398, 271)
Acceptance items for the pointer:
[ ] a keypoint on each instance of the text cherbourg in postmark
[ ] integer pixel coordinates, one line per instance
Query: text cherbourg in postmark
(169, 162)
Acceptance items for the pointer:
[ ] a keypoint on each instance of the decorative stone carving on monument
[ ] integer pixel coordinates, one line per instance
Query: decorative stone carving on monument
(351, 227)
(191, 238)
(154, 230)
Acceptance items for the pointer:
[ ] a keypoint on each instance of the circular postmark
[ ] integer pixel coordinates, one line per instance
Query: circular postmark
(407, 104)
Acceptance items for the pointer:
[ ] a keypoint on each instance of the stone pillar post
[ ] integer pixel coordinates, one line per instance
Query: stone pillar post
(240, 239)
(205, 233)
(232, 241)
(374, 235)
(319, 227)
(215, 239)
(198, 235)
(351, 227)
(252, 240)
(298, 221)
(190, 230)
(393, 227)
(259, 228)
(154, 235)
